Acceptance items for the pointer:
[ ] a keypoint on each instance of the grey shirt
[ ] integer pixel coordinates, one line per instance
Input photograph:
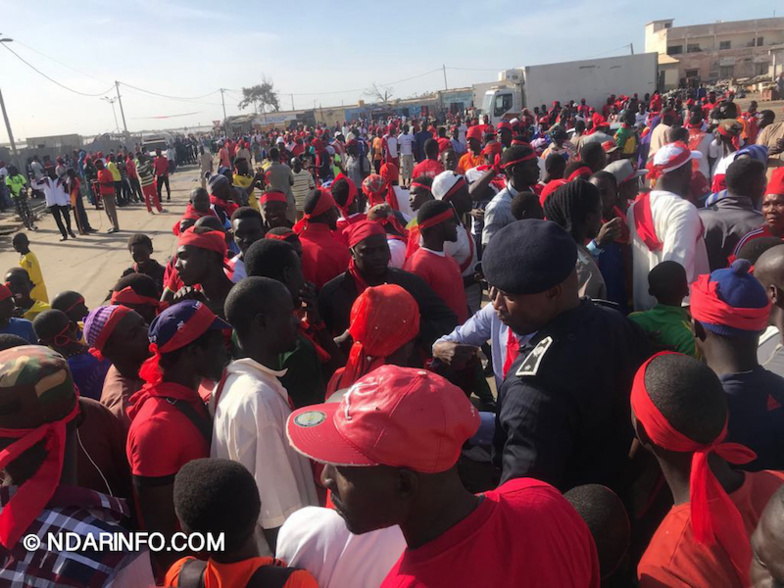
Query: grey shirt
(498, 213)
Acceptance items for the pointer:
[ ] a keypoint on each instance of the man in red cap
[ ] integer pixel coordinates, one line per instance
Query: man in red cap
(11, 325)
(369, 266)
(504, 133)
(473, 157)
(772, 210)
(391, 448)
(201, 260)
(323, 256)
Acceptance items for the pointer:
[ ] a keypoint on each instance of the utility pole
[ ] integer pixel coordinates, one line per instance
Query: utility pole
(631, 45)
(114, 112)
(292, 101)
(223, 102)
(119, 99)
(446, 87)
(8, 129)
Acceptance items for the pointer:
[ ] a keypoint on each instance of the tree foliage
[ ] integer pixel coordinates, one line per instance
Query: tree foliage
(263, 97)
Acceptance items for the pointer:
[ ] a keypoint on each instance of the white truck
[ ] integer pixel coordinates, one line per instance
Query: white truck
(594, 80)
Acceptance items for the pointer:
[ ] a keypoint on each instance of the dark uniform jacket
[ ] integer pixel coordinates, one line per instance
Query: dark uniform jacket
(564, 413)
(338, 295)
(725, 223)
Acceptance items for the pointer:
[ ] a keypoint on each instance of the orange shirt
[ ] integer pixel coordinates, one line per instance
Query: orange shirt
(378, 148)
(469, 161)
(442, 274)
(674, 558)
(236, 575)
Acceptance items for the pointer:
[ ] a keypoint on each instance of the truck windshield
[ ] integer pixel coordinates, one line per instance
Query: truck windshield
(487, 103)
(503, 104)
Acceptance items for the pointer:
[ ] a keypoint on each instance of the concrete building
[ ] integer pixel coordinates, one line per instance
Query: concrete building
(710, 52)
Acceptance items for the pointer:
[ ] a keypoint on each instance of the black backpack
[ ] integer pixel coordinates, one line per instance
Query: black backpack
(270, 576)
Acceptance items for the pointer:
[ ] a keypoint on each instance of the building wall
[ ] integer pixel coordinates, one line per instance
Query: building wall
(738, 49)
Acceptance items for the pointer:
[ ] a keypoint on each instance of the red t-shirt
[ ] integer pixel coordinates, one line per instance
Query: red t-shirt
(443, 144)
(522, 534)
(105, 182)
(161, 439)
(323, 256)
(161, 165)
(442, 274)
(429, 168)
(674, 558)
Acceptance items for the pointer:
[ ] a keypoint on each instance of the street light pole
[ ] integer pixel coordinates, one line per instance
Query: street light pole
(14, 152)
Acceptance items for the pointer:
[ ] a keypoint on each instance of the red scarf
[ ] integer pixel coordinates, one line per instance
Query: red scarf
(32, 496)
(643, 222)
(714, 517)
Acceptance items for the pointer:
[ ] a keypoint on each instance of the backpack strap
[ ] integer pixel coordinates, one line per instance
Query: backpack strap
(192, 573)
(204, 425)
(274, 575)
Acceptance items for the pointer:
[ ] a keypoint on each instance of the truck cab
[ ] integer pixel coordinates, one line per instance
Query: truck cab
(502, 103)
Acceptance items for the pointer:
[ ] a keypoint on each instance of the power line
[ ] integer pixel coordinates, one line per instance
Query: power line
(84, 73)
(38, 71)
(606, 52)
(187, 99)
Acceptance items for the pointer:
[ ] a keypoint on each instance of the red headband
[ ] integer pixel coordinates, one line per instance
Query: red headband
(707, 307)
(273, 196)
(725, 132)
(360, 231)
(706, 494)
(579, 172)
(655, 171)
(197, 325)
(107, 330)
(528, 157)
(324, 203)
(460, 183)
(437, 219)
(129, 296)
(31, 497)
(79, 300)
(211, 241)
(352, 192)
(420, 185)
(281, 237)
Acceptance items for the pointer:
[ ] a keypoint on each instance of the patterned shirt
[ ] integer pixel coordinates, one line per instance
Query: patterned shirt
(144, 170)
(71, 510)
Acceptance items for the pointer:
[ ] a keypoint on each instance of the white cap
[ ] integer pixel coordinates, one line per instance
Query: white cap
(671, 156)
(444, 183)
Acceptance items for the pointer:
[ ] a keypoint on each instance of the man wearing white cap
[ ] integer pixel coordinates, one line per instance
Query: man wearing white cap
(663, 225)
(453, 188)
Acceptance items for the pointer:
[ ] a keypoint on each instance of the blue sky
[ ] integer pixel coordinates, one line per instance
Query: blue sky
(190, 48)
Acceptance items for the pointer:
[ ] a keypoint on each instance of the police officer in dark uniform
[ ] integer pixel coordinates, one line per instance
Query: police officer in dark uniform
(563, 408)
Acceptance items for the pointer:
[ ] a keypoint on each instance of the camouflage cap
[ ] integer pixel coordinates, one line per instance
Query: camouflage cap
(36, 387)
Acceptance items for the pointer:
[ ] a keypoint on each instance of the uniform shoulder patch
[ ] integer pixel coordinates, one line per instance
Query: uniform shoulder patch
(530, 365)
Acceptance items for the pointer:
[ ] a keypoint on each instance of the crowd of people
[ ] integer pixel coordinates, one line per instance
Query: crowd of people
(546, 352)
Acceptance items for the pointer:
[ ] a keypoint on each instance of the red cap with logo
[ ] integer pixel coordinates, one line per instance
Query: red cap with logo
(398, 417)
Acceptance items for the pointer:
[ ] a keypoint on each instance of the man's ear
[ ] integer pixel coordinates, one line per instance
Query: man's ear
(407, 483)
(699, 330)
(773, 292)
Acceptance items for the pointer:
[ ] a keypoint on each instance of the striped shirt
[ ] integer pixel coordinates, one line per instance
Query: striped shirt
(144, 170)
(303, 187)
(763, 231)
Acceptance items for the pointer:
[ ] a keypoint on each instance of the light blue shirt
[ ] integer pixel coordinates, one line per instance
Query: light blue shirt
(498, 213)
(483, 326)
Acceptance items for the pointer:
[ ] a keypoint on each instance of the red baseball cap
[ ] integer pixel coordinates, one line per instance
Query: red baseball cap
(398, 417)
(5, 292)
(775, 186)
(474, 133)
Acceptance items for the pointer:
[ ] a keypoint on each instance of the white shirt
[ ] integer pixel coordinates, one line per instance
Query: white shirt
(461, 133)
(704, 147)
(404, 203)
(55, 193)
(462, 250)
(678, 227)
(397, 250)
(250, 428)
(239, 272)
(318, 540)
(406, 142)
(392, 145)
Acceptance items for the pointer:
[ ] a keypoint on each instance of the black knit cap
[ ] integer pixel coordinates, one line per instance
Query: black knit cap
(528, 257)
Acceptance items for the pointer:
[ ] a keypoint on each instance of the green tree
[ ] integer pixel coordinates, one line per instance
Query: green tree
(263, 97)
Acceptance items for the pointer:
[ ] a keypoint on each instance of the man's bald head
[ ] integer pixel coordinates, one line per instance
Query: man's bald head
(769, 269)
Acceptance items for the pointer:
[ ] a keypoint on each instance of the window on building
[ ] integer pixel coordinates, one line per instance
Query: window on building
(667, 25)
(726, 71)
(692, 73)
(675, 50)
(761, 69)
(760, 41)
(693, 48)
(725, 45)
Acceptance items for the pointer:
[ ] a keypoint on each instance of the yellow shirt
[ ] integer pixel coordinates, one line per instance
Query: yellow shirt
(29, 262)
(112, 167)
(37, 308)
(243, 182)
